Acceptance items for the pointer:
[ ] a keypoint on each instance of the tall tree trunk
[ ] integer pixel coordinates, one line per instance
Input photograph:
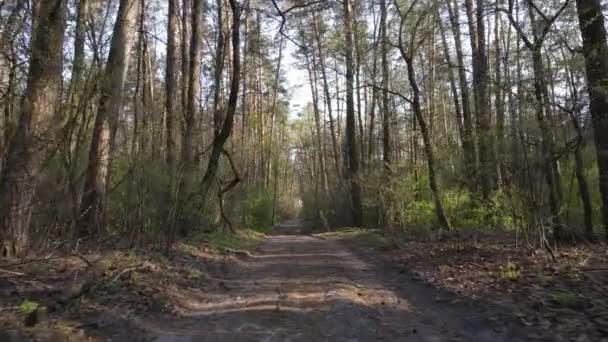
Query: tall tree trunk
(485, 137)
(244, 102)
(428, 145)
(148, 88)
(194, 77)
(357, 56)
(469, 145)
(37, 129)
(273, 113)
(218, 102)
(386, 112)
(595, 50)
(171, 83)
(186, 35)
(452, 79)
(579, 163)
(327, 96)
(101, 152)
(408, 55)
(171, 118)
(352, 165)
(547, 138)
(228, 124)
(500, 100)
(79, 50)
(312, 77)
(371, 146)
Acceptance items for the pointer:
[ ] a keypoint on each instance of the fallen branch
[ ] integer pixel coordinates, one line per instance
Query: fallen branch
(31, 261)
(594, 269)
(19, 274)
(144, 265)
(34, 260)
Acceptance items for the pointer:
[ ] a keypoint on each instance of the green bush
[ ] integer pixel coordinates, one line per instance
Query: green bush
(407, 203)
(257, 208)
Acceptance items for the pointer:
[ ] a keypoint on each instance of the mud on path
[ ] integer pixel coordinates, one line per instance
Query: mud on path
(299, 287)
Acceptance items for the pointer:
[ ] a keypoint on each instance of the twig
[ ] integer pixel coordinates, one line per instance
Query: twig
(19, 274)
(34, 260)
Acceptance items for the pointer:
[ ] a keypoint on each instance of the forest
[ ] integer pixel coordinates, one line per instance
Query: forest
(466, 141)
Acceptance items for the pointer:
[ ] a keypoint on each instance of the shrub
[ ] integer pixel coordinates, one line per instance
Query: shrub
(28, 307)
(510, 271)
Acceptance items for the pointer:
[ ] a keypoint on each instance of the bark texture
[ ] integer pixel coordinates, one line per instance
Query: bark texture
(37, 128)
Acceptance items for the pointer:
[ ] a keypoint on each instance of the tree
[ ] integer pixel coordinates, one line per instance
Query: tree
(352, 162)
(98, 174)
(487, 162)
(38, 126)
(540, 30)
(407, 53)
(386, 116)
(193, 81)
(595, 50)
(469, 145)
(327, 96)
(171, 81)
(228, 122)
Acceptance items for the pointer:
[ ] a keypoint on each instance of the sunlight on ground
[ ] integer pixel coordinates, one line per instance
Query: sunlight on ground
(292, 280)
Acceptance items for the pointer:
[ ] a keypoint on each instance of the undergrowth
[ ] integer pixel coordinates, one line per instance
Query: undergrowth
(374, 237)
(242, 239)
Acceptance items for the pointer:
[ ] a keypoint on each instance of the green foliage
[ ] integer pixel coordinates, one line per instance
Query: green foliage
(417, 215)
(28, 307)
(509, 272)
(469, 213)
(574, 212)
(563, 297)
(257, 208)
(406, 203)
(138, 188)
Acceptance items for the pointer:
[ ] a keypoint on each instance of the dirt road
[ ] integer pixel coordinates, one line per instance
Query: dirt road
(303, 288)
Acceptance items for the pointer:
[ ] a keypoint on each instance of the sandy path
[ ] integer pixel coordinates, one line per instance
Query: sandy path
(303, 288)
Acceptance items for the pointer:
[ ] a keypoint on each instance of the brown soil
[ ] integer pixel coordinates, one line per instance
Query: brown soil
(293, 288)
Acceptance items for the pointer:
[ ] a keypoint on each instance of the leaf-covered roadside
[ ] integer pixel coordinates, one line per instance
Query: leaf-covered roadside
(568, 298)
(98, 294)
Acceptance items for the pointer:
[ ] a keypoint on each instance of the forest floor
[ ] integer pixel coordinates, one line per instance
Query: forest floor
(350, 285)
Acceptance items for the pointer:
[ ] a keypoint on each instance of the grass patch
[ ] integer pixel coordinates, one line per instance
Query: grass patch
(242, 239)
(374, 237)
